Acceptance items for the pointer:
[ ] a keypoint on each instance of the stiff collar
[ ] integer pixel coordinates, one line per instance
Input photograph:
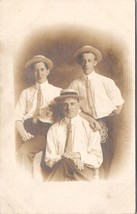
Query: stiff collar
(73, 120)
(89, 76)
(42, 85)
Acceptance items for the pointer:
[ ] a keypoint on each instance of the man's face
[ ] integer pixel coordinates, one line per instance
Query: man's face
(40, 72)
(88, 61)
(70, 107)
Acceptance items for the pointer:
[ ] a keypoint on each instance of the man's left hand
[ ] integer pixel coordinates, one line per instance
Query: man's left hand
(117, 111)
(71, 155)
(79, 164)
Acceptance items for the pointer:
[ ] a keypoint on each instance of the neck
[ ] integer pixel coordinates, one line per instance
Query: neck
(91, 72)
(71, 118)
(41, 82)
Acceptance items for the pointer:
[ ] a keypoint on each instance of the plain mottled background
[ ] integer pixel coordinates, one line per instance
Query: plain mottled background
(55, 29)
(59, 44)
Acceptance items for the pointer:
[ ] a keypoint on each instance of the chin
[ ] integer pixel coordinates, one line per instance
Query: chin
(88, 72)
(40, 81)
(71, 116)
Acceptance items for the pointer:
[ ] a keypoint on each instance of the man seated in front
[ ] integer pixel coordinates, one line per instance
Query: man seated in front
(73, 149)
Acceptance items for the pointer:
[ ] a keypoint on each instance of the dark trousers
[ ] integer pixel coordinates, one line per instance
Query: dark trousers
(26, 151)
(66, 170)
(107, 142)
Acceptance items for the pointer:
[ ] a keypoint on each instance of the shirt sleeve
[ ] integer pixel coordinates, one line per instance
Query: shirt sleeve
(52, 156)
(20, 108)
(93, 157)
(113, 92)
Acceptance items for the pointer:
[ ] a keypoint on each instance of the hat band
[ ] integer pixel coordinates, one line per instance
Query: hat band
(69, 93)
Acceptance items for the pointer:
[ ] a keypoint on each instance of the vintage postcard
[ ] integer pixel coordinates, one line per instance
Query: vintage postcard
(79, 54)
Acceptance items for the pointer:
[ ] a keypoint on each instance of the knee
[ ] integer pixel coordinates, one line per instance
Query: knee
(25, 150)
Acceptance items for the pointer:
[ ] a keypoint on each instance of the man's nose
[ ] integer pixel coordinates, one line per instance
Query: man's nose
(85, 63)
(38, 72)
(69, 106)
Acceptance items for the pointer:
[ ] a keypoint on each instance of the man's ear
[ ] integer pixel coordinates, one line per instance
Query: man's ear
(78, 103)
(95, 62)
(48, 71)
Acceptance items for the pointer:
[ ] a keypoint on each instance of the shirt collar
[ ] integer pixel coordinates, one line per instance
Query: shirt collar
(42, 85)
(89, 76)
(73, 120)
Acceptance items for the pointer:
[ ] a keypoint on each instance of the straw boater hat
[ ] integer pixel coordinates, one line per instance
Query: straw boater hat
(87, 49)
(40, 58)
(68, 93)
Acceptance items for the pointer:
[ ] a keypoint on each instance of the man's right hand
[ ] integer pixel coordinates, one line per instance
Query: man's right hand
(95, 125)
(24, 135)
(92, 122)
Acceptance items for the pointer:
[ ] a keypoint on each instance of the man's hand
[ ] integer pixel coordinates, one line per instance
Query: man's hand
(24, 135)
(72, 155)
(95, 125)
(75, 157)
(79, 164)
(117, 111)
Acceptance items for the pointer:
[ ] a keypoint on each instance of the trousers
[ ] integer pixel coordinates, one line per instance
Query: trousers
(66, 170)
(107, 142)
(26, 151)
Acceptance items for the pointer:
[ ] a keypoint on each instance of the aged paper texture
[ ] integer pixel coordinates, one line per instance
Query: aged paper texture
(58, 27)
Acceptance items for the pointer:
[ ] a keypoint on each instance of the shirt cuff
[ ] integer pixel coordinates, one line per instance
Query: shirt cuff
(91, 160)
(51, 161)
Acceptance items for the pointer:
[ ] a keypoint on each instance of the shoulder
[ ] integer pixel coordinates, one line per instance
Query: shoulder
(105, 80)
(78, 79)
(28, 90)
(56, 128)
(76, 82)
(102, 77)
(83, 121)
(54, 87)
(57, 125)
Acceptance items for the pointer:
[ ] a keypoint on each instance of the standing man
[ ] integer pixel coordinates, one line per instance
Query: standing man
(102, 98)
(34, 111)
(73, 149)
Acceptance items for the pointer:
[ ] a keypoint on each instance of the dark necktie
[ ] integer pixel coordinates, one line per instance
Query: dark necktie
(38, 106)
(89, 98)
(69, 142)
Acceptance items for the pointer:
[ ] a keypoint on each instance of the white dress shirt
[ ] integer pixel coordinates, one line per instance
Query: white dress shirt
(105, 94)
(26, 105)
(85, 141)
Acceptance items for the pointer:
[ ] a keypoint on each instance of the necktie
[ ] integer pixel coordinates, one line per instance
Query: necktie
(37, 111)
(89, 97)
(69, 143)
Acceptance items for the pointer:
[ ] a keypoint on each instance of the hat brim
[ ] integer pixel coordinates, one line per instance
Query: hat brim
(88, 49)
(67, 96)
(47, 61)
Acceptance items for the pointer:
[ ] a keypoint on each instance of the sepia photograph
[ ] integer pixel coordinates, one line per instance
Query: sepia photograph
(67, 107)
